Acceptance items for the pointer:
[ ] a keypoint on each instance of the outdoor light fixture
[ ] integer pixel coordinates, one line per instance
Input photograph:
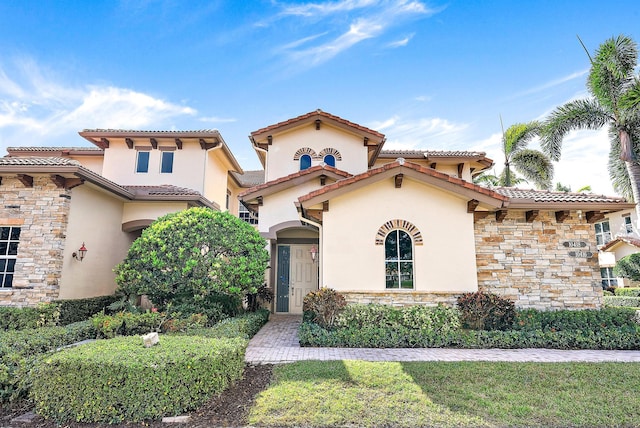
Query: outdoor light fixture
(313, 251)
(79, 255)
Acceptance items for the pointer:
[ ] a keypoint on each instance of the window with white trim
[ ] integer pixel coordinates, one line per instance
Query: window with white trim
(9, 239)
(603, 232)
(305, 162)
(246, 215)
(398, 260)
(330, 160)
(628, 225)
(166, 165)
(608, 278)
(142, 162)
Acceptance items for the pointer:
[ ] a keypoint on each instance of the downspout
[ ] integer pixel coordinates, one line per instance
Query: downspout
(303, 219)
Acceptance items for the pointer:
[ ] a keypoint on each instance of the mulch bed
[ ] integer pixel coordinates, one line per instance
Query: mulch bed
(228, 410)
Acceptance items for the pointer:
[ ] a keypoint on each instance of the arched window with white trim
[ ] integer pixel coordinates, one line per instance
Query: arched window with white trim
(330, 160)
(398, 260)
(305, 162)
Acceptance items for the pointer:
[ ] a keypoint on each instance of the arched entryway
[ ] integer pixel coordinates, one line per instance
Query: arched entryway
(296, 257)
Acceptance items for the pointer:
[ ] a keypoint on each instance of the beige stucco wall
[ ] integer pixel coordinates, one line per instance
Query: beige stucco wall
(133, 211)
(617, 225)
(95, 218)
(215, 179)
(188, 167)
(529, 264)
(280, 208)
(352, 261)
(94, 163)
(280, 156)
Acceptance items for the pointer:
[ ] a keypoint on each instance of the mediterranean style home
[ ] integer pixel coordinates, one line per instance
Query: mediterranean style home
(396, 227)
(616, 237)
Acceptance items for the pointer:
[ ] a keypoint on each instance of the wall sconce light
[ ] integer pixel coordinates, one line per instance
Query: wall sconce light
(79, 255)
(314, 252)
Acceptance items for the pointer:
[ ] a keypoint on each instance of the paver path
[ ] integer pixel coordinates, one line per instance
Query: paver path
(277, 342)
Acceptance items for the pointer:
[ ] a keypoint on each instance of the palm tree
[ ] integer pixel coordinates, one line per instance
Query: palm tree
(533, 165)
(614, 101)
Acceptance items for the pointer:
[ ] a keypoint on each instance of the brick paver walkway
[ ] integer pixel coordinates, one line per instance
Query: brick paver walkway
(277, 342)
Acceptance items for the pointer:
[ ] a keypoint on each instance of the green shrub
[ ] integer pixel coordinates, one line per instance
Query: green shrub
(126, 324)
(325, 304)
(621, 301)
(628, 292)
(244, 326)
(119, 379)
(82, 309)
(485, 311)
(43, 315)
(593, 320)
(19, 351)
(627, 338)
(417, 317)
(628, 267)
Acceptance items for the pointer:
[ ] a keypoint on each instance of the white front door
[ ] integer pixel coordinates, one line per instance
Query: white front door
(303, 276)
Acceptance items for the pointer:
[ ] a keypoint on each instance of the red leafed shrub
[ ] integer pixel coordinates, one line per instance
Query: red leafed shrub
(324, 305)
(486, 311)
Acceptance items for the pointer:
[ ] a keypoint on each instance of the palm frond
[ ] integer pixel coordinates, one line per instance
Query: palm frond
(535, 166)
(487, 180)
(517, 136)
(578, 114)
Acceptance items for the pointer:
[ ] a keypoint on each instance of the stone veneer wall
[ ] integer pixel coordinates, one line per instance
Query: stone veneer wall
(42, 212)
(400, 298)
(528, 263)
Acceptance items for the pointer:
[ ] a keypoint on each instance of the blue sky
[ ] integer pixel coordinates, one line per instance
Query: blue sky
(427, 74)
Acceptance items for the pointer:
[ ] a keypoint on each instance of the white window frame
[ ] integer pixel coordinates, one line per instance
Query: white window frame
(602, 237)
(628, 224)
(400, 261)
(138, 162)
(5, 257)
(246, 215)
(162, 156)
(609, 279)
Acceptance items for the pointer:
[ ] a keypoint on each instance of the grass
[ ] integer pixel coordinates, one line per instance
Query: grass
(442, 394)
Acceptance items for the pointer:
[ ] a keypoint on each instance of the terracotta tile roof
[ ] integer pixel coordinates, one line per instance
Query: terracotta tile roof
(321, 114)
(631, 240)
(431, 154)
(38, 161)
(144, 132)
(250, 178)
(54, 149)
(295, 175)
(161, 190)
(549, 196)
(403, 164)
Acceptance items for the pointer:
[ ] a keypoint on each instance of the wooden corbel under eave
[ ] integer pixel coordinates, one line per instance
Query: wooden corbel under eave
(531, 215)
(593, 216)
(25, 179)
(501, 215)
(129, 142)
(179, 143)
(562, 215)
(472, 205)
(154, 143)
(479, 215)
(325, 206)
(398, 180)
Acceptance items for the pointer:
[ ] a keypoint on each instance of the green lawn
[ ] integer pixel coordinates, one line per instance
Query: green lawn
(440, 394)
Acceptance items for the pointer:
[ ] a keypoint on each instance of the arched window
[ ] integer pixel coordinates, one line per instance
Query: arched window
(330, 160)
(305, 162)
(398, 259)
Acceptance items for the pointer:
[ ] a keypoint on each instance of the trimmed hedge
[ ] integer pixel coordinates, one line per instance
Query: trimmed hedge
(383, 337)
(119, 379)
(593, 320)
(82, 309)
(43, 315)
(244, 326)
(621, 301)
(19, 351)
(628, 291)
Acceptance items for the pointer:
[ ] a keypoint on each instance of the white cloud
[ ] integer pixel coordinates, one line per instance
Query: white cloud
(370, 19)
(400, 43)
(421, 133)
(33, 104)
(553, 83)
(216, 119)
(422, 98)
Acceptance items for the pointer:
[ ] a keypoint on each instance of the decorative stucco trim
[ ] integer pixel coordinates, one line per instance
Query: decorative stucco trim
(330, 151)
(405, 225)
(304, 151)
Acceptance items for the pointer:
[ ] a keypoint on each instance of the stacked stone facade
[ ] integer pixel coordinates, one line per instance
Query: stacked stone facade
(42, 213)
(401, 298)
(543, 264)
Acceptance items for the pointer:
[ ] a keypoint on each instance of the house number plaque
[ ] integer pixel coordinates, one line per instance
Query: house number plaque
(574, 244)
(585, 254)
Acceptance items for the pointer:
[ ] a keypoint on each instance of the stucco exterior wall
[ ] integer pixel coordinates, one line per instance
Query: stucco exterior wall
(42, 213)
(530, 264)
(94, 163)
(352, 262)
(188, 167)
(280, 208)
(95, 220)
(282, 151)
(133, 211)
(215, 179)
